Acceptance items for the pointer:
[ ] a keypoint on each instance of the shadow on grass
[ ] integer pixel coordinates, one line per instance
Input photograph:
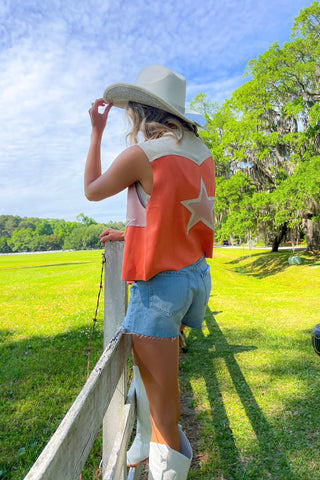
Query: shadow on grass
(268, 460)
(67, 264)
(261, 265)
(40, 377)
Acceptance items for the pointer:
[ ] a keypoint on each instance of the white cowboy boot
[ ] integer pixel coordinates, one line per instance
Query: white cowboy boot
(139, 450)
(168, 464)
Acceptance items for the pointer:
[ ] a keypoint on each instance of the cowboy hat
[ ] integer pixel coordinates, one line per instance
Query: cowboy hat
(155, 86)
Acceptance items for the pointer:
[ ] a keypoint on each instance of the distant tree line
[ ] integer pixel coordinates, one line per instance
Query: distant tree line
(265, 141)
(26, 234)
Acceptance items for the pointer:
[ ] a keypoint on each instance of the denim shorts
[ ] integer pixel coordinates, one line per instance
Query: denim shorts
(159, 306)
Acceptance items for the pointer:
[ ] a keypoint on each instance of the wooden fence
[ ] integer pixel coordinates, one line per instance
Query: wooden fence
(103, 401)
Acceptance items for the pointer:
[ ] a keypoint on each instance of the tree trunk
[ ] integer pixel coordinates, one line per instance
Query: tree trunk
(312, 231)
(279, 237)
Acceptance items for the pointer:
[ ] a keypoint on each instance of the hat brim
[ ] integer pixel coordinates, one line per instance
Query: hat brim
(119, 94)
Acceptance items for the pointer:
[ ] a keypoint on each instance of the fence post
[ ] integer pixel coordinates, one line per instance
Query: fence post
(115, 305)
(115, 291)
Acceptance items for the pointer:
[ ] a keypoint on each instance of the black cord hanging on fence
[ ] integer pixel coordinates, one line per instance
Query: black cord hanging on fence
(94, 320)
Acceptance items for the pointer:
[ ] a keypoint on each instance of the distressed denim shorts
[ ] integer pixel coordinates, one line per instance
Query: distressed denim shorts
(159, 306)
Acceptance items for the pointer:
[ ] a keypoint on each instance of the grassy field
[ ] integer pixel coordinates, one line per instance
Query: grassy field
(47, 305)
(251, 375)
(250, 380)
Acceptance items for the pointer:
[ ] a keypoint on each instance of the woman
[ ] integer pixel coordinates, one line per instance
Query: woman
(170, 181)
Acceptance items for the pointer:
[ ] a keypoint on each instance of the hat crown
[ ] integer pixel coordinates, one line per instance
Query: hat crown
(158, 87)
(165, 84)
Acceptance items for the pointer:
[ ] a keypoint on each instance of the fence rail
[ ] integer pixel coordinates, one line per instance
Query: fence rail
(103, 401)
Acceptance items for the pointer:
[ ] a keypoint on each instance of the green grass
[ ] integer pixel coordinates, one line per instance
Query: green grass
(250, 378)
(47, 305)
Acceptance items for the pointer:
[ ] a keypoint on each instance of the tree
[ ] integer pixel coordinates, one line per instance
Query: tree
(4, 247)
(21, 240)
(297, 201)
(85, 220)
(53, 242)
(231, 194)
(11, 223)
(38, 234)
(269, 127)
(74, 241)
(43, 227)
(91, 236)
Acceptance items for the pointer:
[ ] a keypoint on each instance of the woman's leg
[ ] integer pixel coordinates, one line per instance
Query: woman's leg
(157, 359)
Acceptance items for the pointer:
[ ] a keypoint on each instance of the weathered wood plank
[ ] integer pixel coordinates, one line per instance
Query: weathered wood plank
(115, 291)
(117, 462)
(112, 420)
(131, 397)
(65, 455)
(135, 473)
(115, 305)
(117, 458)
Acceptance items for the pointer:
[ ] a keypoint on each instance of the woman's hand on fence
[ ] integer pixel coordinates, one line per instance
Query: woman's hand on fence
(99, 120)
(111, 235)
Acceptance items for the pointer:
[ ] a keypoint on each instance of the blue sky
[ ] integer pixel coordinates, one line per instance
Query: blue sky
(57, 57)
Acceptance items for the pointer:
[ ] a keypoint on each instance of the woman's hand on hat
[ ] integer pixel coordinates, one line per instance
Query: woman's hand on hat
(99, 120)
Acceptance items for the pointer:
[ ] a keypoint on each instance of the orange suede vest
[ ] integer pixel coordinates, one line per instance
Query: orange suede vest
(177, 226)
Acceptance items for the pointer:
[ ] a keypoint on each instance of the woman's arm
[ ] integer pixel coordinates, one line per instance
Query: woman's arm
(129, 167)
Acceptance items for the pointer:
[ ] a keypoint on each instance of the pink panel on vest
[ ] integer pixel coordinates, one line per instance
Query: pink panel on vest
(136, 213)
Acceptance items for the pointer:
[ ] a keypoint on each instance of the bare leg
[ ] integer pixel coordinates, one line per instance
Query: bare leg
(157, 359)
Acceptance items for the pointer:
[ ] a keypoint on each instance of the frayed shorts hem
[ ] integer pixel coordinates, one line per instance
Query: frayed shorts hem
(151, 337)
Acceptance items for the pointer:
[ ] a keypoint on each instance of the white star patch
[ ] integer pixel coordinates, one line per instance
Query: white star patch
(201, 209)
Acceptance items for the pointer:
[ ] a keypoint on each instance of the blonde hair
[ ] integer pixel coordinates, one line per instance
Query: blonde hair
(154, 123)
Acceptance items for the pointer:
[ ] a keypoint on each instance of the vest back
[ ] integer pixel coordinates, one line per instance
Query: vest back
(177, 226)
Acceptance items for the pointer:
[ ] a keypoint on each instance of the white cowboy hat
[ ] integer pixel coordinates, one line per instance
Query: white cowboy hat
(156, 86)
